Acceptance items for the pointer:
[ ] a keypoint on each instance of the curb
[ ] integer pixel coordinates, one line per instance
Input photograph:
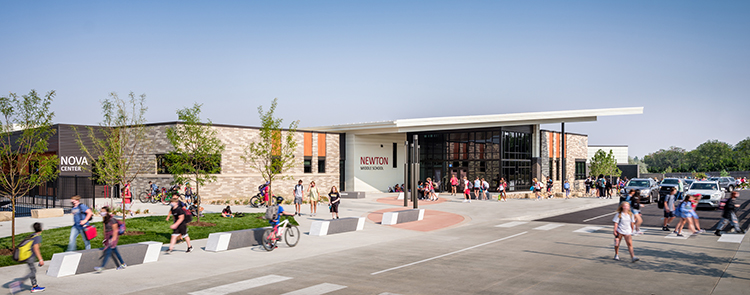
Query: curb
(561, 211)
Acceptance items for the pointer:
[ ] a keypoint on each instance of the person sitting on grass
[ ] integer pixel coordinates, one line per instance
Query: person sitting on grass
(227, 212)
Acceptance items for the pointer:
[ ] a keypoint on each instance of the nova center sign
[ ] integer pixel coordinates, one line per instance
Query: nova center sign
(73, 163)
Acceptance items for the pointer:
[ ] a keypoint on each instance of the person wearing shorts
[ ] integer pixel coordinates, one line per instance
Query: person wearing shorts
(299, 191)
(334, 199)
(179, 227)
(623, 229)
(313, 196)
(127, 197)
(454, 184)
(477, 188)
(669, 209)
(467, 191)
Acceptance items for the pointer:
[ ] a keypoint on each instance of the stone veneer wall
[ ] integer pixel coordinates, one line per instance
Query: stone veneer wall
(576, 148)
(237, 179)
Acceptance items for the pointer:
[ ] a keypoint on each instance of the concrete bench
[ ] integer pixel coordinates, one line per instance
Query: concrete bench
(223, 241)
(84, 261)
(396, 217)
(336, 226)
(6, 215)
(47, 213)
(352, 195)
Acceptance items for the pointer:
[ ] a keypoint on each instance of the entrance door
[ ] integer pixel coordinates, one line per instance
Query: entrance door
(460, 174)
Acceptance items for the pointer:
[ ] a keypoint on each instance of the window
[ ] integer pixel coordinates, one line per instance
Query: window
(212, 163)
(321, 165)
(308, 165)
(580, 169)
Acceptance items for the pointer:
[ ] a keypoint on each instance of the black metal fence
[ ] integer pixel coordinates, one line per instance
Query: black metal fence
(57, 194)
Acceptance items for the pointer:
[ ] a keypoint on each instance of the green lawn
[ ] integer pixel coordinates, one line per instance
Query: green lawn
(154, 228)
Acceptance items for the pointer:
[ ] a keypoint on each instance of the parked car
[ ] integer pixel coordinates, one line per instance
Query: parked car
(726, 183)
(689, 182)
(666, 185)
(710, 191)
(649, 189)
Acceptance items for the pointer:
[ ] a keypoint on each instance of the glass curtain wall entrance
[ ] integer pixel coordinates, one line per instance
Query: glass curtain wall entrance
(485, 153)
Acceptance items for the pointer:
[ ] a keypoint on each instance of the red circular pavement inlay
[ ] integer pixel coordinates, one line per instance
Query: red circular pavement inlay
(433, 219)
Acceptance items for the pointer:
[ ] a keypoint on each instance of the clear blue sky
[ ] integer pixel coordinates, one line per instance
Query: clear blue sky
(686, 62)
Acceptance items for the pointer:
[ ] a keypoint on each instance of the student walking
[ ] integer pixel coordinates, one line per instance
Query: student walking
(624, 225)
(454, 183)
(127, 198)
(36, 243)
(550, 184)
(485, 189)
(634, 198)
(537, 187)
(111, 236)
(600, 185)
(179, 227)
(313, 196)
(669, 209)
(477, 188)
(730, 215)
(686, 212)
(566, 188)
(467, 190)
(502, 197)
(299, 191)
(588, 183)
(82, 214)
(334, 199)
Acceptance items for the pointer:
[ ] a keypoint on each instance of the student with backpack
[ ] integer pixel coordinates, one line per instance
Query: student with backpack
(299, 191)
(566, 188)
(501, 188)
(26, 251)
(730, 215)
(112, 231)
(179, 227)
(82, 214)
(467, 190)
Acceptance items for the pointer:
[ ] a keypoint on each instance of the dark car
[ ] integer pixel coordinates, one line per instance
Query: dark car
(668, 183)
(649, 189)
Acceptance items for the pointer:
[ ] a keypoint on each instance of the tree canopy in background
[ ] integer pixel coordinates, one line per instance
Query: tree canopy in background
(604, 164)
(711, 156)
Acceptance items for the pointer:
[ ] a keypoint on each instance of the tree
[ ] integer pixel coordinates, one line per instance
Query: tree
(197, 150)
(604, 164)
(273, 153)
(119, 142)
(712, 155)
(660, 160)
(741, 153)
(22, 153)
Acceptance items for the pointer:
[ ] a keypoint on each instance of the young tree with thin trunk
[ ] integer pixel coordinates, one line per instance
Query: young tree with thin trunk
(120, 142)
(197, 149)
(25, 129)
(273, 153)
(604, 164)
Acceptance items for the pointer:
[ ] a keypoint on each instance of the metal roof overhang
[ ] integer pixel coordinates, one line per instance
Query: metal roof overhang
(480, 121)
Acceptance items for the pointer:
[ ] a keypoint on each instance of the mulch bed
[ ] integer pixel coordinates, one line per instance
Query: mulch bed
(6, 252)
(201, 223)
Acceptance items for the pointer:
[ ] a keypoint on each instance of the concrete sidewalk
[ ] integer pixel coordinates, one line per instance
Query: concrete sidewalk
(183, 267)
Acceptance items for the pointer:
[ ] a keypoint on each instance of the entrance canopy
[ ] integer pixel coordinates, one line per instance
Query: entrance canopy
(479, 121)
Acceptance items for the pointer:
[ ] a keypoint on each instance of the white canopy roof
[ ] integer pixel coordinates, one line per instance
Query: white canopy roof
(479, 121)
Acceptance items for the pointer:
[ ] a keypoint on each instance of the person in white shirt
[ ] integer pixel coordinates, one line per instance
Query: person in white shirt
(624, 227)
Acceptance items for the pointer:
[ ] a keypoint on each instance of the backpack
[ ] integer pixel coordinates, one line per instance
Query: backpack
(272, 213)
(23, 250)
(660, 202)
(120, 227)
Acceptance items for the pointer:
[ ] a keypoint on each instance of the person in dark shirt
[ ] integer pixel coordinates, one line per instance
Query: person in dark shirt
(179, 227)
(36, 238)
(334, 199)
(227, 212)
(730, 215)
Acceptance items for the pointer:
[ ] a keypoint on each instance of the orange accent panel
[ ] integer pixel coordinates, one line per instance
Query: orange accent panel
(308, 144)
(551, 144)
(557, 150)
(321, 145)
(276, 141)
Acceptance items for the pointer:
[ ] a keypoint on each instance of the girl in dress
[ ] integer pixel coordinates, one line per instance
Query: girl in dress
(313, 197)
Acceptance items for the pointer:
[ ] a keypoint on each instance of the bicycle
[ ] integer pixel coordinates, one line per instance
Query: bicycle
(146, 196)
(289, 231)
(257, 201)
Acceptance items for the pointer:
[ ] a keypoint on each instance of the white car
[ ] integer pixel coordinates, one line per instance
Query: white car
(710, 191)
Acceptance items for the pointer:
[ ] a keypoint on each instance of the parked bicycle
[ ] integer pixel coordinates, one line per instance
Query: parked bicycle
(146, 196)
(285, 229)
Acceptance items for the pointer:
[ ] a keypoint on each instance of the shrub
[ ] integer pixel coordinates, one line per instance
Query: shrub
(138, 211)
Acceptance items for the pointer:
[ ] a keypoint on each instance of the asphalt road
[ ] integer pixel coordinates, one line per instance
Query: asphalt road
(653, 216)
